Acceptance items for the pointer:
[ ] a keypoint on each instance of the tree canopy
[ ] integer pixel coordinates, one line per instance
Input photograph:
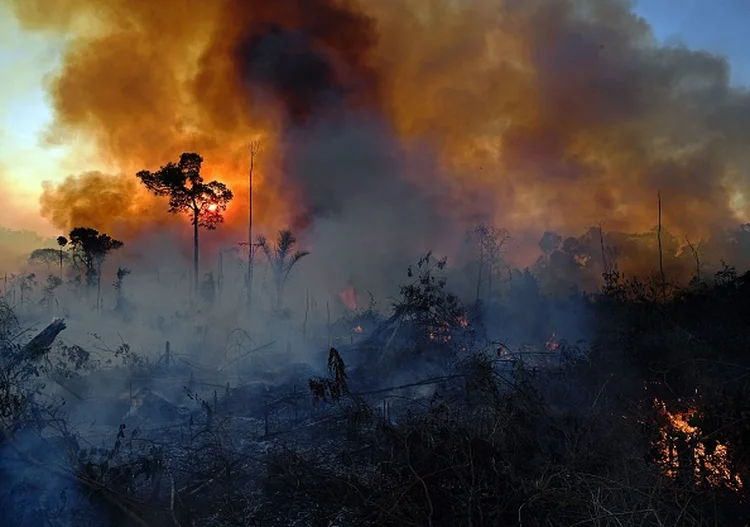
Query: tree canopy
(188, 193)
(93, 247)
(45, 256)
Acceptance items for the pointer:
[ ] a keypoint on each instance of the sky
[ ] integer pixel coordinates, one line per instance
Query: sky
(27, 59)
(718, 26)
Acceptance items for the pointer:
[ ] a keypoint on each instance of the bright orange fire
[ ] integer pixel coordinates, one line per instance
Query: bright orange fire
(711, 468)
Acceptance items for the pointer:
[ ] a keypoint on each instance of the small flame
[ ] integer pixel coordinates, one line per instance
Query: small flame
(357, 329)
(442, 334)
(212, 207)
(348, 297)
(552, 344)
(433, 335)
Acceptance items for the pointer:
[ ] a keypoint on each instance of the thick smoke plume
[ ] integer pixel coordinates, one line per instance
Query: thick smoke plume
(536, 114)
(91, 199)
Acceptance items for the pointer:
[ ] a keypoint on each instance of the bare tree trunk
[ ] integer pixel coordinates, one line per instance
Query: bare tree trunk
(479, 271)
(605, 266)
(220, 281)
(99, 287)
(279, 299)
(661, 256)
(696, 256)
(196, 261)
(254, 146)
(250, 273)
(489, 284)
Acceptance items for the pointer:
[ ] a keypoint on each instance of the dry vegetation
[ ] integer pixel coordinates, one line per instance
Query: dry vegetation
(419, 420)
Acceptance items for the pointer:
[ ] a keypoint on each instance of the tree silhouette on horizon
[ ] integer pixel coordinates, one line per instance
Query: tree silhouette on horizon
(46, 255)
(62, 242)
(183, 184)
(93, 247)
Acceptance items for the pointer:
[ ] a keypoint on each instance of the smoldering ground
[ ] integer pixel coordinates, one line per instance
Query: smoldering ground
(389, 129)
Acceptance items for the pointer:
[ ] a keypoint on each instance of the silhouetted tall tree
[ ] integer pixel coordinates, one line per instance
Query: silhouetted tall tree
(49, 256)
(120, 302)
(490, 241)
(254, 148)
(62, 242)
(188, 194)
(282, 258)
(45, 256)
(93, 247)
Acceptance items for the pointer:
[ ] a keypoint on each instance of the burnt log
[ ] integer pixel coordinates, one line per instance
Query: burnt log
(37, 347)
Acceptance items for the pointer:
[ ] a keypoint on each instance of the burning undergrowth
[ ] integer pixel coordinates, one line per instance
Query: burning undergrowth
(415, 419)
(685, 448)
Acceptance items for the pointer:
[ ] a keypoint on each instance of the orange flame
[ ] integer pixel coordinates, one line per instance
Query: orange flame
(348, 297)
(711, 468)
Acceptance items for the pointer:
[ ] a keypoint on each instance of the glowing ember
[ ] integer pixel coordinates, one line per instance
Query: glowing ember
(442, 333)
(357, 329)
(552, 344)
(711, 468)
(437, 336)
